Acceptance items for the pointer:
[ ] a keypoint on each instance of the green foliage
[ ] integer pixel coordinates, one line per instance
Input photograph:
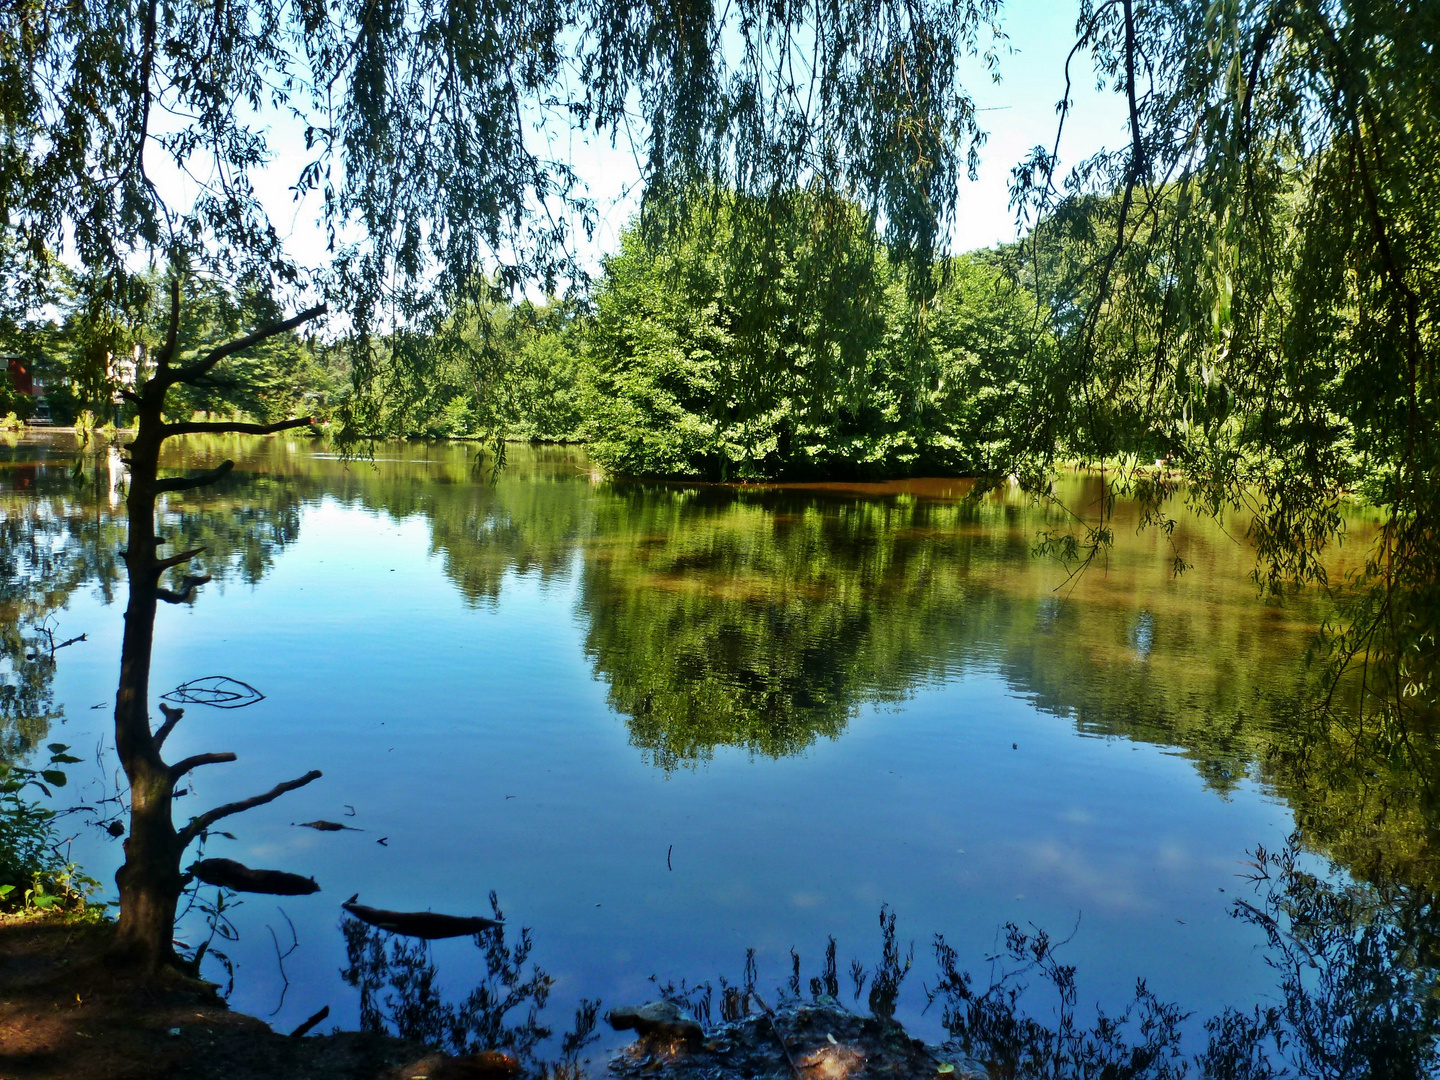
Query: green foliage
(544, 388)
(1249, 289)
(724, 352)
(508, 371)
(281, 377)
(416, 116)
(33, 874)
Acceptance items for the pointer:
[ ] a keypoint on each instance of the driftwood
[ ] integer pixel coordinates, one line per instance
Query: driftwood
(321, 825)
(421, 924)
(233, 875)
(304, 1029)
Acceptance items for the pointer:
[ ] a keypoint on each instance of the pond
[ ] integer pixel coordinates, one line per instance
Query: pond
(668, 723)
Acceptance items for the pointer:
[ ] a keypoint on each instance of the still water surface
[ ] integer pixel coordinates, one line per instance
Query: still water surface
(668, 723)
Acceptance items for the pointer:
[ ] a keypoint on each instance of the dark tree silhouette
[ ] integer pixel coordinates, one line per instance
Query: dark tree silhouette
(150, 880)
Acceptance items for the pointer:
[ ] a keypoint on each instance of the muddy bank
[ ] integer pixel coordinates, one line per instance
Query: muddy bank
(64, 1013)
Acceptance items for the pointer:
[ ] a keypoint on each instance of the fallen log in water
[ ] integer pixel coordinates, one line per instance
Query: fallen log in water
(230, 874)
(421, 924)
(325, 826)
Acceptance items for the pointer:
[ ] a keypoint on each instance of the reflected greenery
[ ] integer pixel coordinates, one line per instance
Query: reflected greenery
(1356, 998)
(764, 618)
(53, 541)
(400, 993)
(60, 532)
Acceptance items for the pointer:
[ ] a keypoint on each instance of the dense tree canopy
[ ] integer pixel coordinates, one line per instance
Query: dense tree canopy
(1250, 288)
(713, 355)
(416, 120)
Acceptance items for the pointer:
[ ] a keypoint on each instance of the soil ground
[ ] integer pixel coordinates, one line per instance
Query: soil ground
(64, 1013)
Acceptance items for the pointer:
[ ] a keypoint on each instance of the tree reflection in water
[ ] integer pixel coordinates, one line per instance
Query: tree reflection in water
(400, 994)
(1358, 999)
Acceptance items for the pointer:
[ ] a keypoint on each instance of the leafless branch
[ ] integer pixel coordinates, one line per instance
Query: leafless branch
(185, 483)
(205, 820)
(194, 761)
(280, 956)
(193, 371)
(172, 717)
(172, 332)
(187, 589)
(225, 427)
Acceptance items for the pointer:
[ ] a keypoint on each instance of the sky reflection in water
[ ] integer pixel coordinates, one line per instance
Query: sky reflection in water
(668, 723)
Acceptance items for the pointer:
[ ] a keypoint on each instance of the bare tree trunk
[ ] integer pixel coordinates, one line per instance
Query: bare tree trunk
(150, 881)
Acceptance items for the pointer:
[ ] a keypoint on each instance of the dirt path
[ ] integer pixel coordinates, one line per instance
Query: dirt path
(64, 1013)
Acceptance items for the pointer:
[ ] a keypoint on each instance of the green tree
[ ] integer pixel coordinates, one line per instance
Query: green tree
(720, 354)
(416, 116)
(717, 355)
(1249, 289)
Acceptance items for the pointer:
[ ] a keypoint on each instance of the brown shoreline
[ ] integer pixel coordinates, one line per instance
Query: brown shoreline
(65, 1013)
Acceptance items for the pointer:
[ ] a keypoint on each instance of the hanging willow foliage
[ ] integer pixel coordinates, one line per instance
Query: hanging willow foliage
(1251, 289)
(422, 122)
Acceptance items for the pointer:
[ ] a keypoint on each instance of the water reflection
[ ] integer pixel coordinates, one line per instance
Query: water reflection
(61, 532)
(721, 617)
(54, 540)
(400, 993)
(1354, 997)
(768, 619)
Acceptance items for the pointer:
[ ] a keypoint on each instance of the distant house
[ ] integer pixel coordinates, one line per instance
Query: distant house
(20, 376)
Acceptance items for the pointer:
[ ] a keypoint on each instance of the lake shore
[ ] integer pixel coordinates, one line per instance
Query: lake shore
(64, 1012)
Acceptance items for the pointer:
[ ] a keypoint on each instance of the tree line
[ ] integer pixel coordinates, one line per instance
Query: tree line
(701, 355)
(1245, 287)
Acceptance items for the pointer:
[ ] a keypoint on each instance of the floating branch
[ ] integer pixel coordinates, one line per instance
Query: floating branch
(219, 691)
(229, 874)
(421, 924)
(320, 825)
(205, 820)
(304, 1029)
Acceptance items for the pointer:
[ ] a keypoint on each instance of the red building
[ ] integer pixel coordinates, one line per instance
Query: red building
(20, 376)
